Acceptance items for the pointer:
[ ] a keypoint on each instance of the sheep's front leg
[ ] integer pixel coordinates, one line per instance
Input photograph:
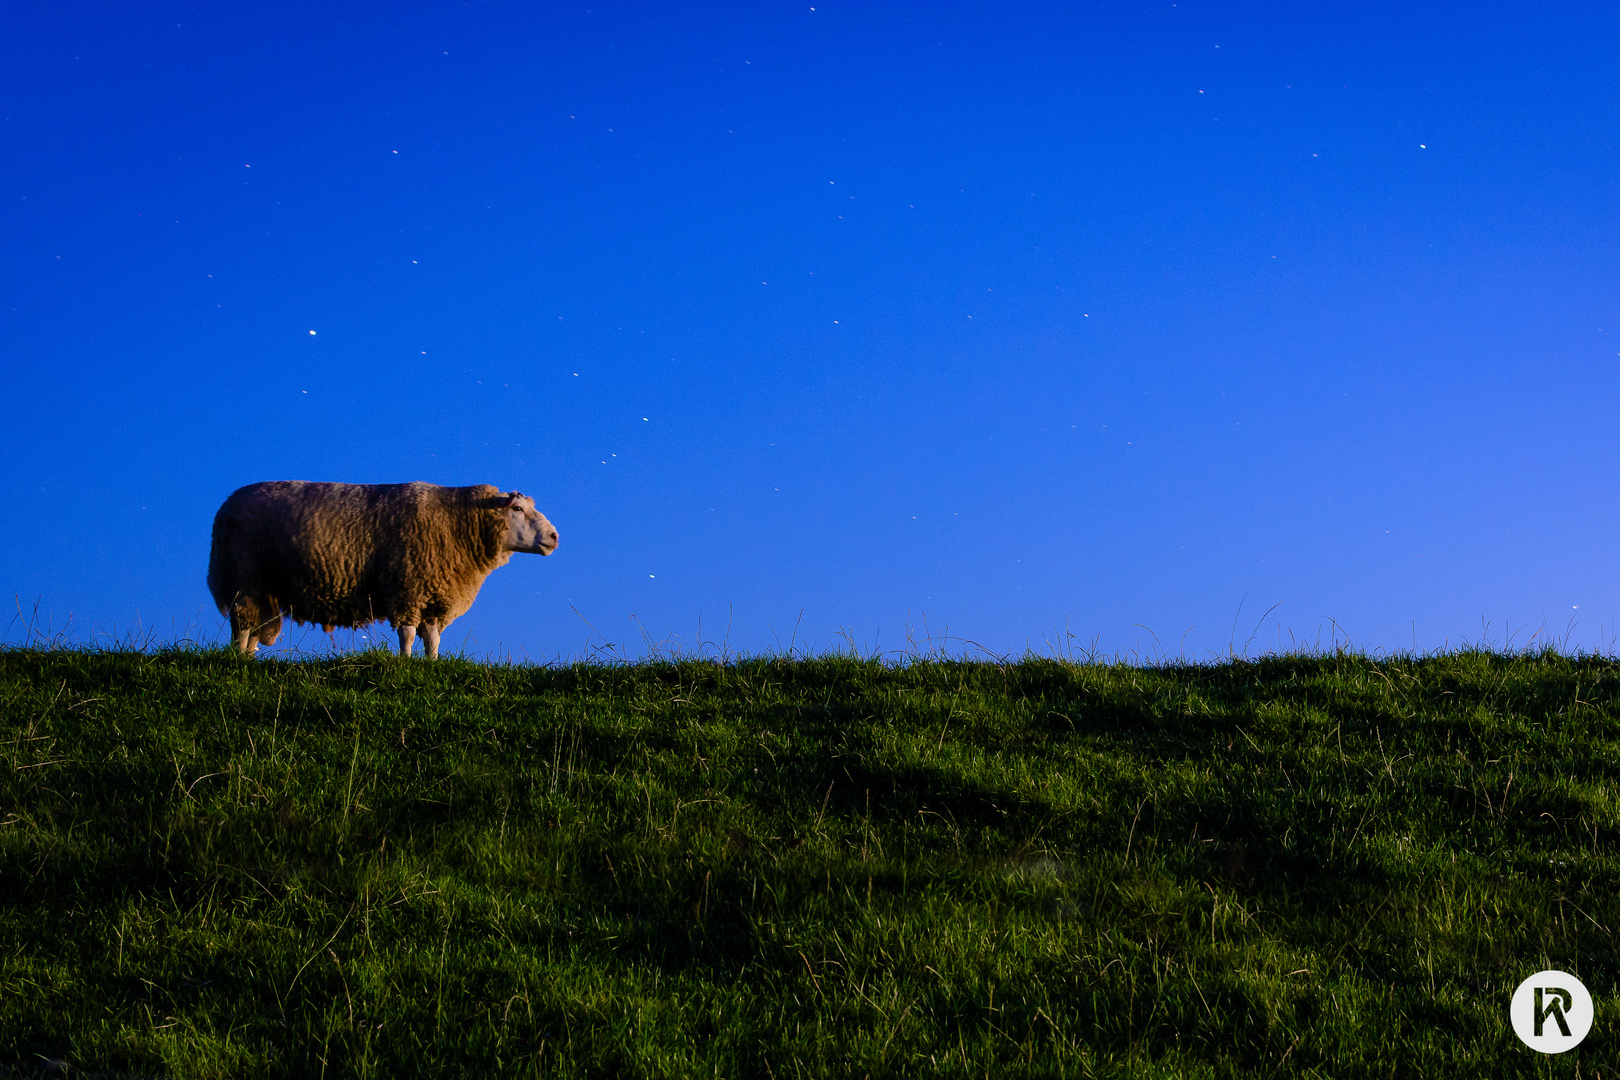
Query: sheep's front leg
(430, 634)
(407, 638)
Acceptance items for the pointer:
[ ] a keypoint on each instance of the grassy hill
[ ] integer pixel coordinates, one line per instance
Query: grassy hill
(1316, 866)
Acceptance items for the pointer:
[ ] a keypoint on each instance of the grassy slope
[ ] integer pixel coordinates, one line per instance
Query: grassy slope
(1305, 866)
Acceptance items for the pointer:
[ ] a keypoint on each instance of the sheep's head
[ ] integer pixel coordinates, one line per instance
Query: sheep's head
(526, 528)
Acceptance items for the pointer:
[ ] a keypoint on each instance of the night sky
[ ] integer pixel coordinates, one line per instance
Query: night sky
(901, 327)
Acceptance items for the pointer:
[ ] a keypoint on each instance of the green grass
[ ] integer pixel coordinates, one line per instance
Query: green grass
(1303, 866)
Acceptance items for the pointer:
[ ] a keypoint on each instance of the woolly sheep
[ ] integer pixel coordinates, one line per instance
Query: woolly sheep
(349, 554)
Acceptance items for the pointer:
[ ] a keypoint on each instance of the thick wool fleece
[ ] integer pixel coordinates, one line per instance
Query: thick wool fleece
(349, 554)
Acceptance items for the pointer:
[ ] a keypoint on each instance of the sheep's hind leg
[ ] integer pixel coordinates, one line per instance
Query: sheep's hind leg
(244, 626)
(407, 638)
(270, 630)
(430, 634)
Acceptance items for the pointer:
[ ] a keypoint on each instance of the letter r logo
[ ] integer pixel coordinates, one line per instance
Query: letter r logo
(1558, 1000)
(1551, 1011)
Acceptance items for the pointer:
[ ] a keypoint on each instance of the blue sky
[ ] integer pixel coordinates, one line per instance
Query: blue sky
(814, 323)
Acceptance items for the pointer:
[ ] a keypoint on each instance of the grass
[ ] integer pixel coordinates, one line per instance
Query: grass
(1327, 866)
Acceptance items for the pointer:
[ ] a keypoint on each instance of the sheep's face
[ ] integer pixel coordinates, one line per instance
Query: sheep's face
(527, 528)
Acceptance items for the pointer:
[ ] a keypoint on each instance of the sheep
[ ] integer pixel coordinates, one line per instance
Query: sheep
(350, 554)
